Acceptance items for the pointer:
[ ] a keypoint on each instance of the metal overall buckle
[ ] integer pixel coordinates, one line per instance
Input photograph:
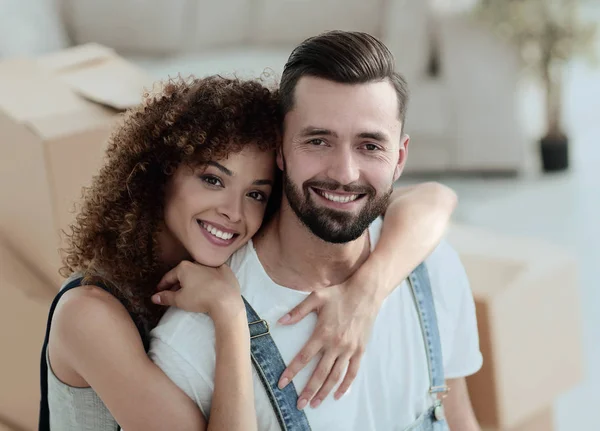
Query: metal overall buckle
(438, 410)
(264, 333)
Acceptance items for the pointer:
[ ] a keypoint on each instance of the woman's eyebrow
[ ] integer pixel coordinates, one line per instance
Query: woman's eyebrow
(221, 168)
(263, 183)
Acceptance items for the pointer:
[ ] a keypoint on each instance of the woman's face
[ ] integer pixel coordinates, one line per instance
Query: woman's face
(212, 210)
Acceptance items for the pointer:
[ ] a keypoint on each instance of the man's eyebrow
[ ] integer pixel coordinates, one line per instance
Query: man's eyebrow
(376, 136)
(316, 131)
(310, 131)
(221, 168)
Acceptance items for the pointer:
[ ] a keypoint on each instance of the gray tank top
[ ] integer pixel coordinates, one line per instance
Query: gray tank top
(69, 408)
(76, 409)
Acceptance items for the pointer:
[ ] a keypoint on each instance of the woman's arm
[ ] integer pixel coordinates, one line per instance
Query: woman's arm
(93, 335)
(215, 291)
(233, 399)
(105, 349)
(414, 224)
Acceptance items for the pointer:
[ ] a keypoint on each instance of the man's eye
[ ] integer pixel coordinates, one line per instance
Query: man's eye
(316, 142)
(371, 147)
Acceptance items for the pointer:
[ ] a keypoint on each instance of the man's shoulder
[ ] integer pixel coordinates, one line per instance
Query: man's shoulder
(443, 258)
(184, 330)
(447, 277)
(238, 259)
(375, 231)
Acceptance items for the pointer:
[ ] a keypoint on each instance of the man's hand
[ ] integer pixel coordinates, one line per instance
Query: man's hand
(345, 319)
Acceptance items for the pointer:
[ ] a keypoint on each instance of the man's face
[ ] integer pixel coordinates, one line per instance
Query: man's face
(342, 151)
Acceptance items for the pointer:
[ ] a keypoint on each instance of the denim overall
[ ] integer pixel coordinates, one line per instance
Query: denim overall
(268, 363)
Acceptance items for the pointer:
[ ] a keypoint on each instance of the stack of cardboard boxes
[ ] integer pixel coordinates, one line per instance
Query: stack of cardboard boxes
(528, 312)
(24, 300)
(56, 113)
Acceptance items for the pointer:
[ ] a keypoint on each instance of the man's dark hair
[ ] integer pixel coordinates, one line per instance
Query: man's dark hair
(343, 57)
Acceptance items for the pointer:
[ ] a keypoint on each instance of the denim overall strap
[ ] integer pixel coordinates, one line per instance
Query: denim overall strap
(423, 297)
(269, 365)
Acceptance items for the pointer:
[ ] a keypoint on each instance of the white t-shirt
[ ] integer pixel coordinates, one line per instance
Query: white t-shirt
(391, 388)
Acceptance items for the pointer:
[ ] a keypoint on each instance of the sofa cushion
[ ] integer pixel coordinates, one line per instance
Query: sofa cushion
(213, 24)
(30, 27)
(405, 32)
(281, 22)
(429, 122)
(245, 63)
(152, 26)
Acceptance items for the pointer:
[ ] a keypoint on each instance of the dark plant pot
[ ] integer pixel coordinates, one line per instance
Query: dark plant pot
(555, 153)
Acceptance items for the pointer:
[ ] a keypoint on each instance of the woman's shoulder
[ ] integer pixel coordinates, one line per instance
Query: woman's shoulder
(88, 300)
(88, 324)
(86, 311)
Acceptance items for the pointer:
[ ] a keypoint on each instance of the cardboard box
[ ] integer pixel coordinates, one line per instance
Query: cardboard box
(528, 312)
(24, 302)
(56, 113)
(543, 421)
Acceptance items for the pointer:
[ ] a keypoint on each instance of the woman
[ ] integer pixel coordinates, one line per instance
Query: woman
(197, 151)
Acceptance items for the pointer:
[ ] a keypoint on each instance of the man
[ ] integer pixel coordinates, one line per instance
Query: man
(343, 148)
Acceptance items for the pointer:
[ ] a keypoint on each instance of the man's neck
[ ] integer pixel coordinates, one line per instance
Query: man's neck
(294, 257)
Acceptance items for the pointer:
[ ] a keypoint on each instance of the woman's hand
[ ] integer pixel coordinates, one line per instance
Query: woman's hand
(414, 224)
(201, 289)
(216, 292)
(345, 320)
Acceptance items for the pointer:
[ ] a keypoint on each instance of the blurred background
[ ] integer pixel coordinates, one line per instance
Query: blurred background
(505, 109)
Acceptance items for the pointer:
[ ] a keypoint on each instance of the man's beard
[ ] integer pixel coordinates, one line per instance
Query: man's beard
(331, 225)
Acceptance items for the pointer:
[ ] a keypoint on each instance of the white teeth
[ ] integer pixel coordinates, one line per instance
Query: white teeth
(216, 232)
(340, 199)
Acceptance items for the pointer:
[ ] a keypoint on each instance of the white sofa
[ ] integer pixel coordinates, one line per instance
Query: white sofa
(463, 120)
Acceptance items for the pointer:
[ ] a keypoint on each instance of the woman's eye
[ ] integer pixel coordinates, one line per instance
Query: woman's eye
(260, 197)
(212, 180)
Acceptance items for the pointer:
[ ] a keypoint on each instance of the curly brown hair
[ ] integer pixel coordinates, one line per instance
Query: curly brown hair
(113, 240)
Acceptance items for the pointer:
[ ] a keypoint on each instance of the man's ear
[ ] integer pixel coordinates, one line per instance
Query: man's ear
(404, 141)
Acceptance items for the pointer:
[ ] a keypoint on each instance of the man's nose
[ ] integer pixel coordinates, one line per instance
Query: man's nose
(343, 166)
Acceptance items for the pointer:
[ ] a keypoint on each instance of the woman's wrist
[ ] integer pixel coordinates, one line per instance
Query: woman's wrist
(227, 308)
(232, 329)
(373, 280)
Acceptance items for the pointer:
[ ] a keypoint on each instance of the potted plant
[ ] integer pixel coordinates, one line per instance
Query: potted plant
(547, 34)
